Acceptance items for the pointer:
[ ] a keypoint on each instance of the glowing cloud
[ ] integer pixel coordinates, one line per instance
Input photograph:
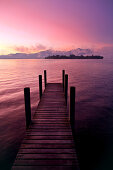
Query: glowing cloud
(31, 49)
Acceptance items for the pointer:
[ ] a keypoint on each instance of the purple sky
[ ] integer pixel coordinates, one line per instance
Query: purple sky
(28, 26)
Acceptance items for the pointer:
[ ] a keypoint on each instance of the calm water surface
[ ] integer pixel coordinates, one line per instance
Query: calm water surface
(94, 106)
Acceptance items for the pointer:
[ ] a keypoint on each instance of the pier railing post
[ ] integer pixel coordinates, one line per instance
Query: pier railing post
(72, 108)
(40, 86)
(45, 78)
(63, 78)
(66, 87)
(27, 106)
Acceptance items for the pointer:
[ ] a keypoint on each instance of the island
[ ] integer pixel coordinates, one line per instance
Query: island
(72, 56)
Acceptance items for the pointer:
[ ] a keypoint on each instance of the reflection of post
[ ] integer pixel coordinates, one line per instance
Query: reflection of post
(27, 106)
(40, 85)
(66, 87)
(72, 107)
(45, 78)
(63, 78)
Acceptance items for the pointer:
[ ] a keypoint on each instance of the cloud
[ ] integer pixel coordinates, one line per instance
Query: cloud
(31, 49)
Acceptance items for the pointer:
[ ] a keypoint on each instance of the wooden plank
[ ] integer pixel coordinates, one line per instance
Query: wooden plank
(49, 126)
(43, 125)
(49, 130)
(46, 162)
(44, 167)
(46, 156)
(50, 117)
(53, 137)
(49, 133)
(37, 123)
(48, 143)
(39, 127)
(51, 121)
(68, 151)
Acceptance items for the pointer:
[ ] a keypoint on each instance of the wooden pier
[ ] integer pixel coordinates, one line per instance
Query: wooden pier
(48, 143)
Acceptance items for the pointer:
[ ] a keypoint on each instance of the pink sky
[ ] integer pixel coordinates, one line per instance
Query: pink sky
(31, 26)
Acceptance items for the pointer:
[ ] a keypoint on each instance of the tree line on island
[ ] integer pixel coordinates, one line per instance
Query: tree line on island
(72, 56)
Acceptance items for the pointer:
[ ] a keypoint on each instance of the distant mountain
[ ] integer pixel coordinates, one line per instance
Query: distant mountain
(105, 51)
(80, 52)
(39, 55)
(46, 53)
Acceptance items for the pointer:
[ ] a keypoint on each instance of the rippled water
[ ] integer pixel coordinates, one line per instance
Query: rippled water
(94, 106)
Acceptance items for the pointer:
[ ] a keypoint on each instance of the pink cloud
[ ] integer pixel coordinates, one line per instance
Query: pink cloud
(31, 49)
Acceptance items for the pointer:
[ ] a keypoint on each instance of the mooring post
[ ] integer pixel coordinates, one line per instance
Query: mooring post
(40, 86)
(72, 108)
(63, 78)
(66, 87)
(27, 106)
(45, 78)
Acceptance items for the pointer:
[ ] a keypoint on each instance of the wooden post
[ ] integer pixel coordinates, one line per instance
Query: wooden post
(63, 78)
(45, 78)
(27, 106)
(40, 86)
(66, 87)
(72, 107)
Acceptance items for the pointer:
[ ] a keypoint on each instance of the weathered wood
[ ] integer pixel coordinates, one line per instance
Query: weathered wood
(66, 87)
(47, 162)
(40, 85)
(49, 133)
(46, 156)
(49, 130)
(47, 151)
(27, 106)
(35, 167)
(48, 143)
(63, 78)
(72, 107)
(45, 78)
(52, 137)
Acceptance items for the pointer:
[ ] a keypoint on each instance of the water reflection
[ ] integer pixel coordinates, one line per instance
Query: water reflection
(94, 103)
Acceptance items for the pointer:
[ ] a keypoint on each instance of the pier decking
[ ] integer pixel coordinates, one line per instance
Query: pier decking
(48, 143)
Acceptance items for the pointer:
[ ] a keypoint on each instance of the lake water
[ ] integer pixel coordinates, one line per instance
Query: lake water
(93, 80)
